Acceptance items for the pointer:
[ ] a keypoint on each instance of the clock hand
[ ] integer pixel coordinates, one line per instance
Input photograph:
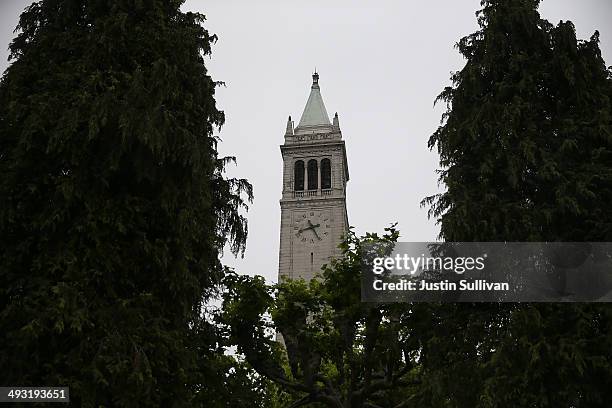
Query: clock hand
(312, 227)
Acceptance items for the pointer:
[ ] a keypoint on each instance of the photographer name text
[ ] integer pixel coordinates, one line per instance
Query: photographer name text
(445, 285)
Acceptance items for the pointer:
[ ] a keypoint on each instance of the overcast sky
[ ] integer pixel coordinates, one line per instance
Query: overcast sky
(381, 63)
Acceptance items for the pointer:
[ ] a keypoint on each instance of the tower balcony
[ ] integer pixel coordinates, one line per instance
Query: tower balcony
(313, 193)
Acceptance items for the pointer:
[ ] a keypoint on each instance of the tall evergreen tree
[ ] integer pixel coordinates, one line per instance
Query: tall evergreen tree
(526, 154)
(526, 142)
(113, 204)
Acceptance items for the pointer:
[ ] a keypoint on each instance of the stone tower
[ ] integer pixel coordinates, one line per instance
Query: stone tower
(313, 203)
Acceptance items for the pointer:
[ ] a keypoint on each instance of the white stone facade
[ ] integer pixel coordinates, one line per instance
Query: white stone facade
(314, 220)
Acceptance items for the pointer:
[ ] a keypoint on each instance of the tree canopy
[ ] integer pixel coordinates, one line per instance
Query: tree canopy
(526, 143)
(335, 351)
(526, 154)
(114, 208)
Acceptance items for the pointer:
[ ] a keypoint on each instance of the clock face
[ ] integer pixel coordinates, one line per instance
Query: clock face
(311, 227)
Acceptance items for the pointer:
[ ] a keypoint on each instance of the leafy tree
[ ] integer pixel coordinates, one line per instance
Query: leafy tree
(336, 351)
(526, 154)
(113, 203)
(228, 382)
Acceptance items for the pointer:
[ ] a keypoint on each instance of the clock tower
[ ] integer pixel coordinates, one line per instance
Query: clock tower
(313, 202)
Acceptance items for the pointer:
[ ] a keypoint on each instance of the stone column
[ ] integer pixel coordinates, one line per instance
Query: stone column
(305, 177)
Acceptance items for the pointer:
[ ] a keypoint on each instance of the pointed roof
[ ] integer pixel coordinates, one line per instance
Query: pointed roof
(315, 113)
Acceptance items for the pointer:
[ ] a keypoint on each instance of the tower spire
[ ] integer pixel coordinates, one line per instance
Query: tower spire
(314, 113)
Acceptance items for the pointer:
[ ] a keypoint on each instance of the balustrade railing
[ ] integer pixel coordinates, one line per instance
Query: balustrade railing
(312, 193)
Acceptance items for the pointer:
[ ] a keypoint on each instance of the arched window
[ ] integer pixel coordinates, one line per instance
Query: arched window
(298, 175)
(313, 175)
(325, 173)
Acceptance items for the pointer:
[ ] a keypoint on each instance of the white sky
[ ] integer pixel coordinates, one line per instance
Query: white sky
(381, 63)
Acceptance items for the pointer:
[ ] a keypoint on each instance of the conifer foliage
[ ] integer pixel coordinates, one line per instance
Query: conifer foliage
(526, 154)
(113, 203)
(526, 142)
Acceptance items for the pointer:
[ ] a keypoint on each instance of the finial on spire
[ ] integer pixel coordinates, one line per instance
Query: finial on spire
(315, 78)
